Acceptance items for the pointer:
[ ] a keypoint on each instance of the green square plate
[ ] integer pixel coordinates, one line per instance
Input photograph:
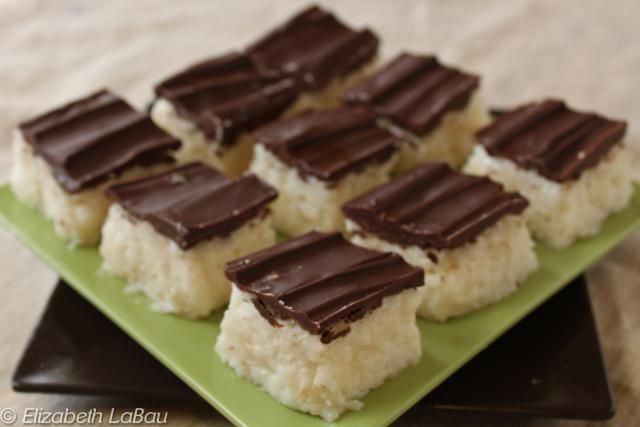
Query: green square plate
(186, 346)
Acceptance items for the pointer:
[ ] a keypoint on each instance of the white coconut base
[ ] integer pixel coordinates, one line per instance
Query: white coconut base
(469, 277)
(451, 142)
(186, 282)
(76, 217)
(297, 369)
(306, 204)
(561, 213)
(231, 160)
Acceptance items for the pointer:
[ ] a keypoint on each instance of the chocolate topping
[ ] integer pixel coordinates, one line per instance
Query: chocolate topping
(414, 92)
(87, 141)
(321, 281)
(194, 202)
(315, 47)
(328, 144)
(557, 142)
(228, 95)
(433, 206)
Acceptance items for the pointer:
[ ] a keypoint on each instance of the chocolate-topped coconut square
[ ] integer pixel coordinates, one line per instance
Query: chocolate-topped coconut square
(214, 105)
(65, 157)
(194, 202)
(317, 160)
(466, 232)
(435, 107)
(433, 206)
(318, 50)
(89, 140)
(321, 281)
(557, 142)
(320, 304)
(571, 165)
(172, 233)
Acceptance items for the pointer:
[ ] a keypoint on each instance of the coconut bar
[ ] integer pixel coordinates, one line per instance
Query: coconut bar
(318, 322)
(64, 159)
(572, 166)
(170, 235)
(436, 109)
(317, 160)
(213, 106)
(324, 55)
(466, 233)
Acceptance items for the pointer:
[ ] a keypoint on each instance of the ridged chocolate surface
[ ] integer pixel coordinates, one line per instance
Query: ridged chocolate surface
(414, 92)
(557, 142)
(321, 281)
(315, 47)
(194, 202)
(433, 206)
(87, 141)
(328, 144)
(228, 95)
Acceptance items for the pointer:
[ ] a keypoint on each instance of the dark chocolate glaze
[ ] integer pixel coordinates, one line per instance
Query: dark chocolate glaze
(315, 48)
(328, 144)
(228, 95)
(194, 202)
(414, 92)
(433, 206)
(321, 281)
(87, 141)
(557, 142)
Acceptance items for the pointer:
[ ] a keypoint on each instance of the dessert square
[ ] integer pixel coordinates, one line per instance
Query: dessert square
(317, 160)
(466, 233)
(318, 322)
(320, 52)
(63, 160)
(434, 108)
(213, 106)
(572, 166)
(170, 235)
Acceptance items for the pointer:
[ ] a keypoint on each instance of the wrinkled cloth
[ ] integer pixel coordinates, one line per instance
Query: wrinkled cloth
(583, 51)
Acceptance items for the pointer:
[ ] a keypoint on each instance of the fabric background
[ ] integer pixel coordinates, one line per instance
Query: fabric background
(584, 51)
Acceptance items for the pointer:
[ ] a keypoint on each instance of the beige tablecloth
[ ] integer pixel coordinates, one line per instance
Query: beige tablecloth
(584, 51)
